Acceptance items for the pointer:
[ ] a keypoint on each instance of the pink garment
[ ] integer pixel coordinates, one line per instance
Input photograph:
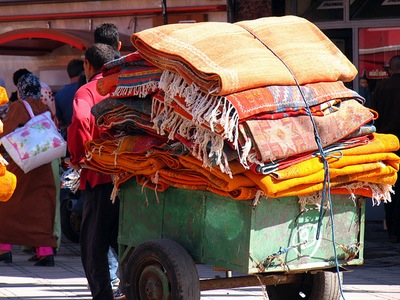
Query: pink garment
(5, 247)
(40, 251)
(44, 251)
(47, 97)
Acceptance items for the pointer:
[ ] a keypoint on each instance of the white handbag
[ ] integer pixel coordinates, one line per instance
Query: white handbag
(37, 143)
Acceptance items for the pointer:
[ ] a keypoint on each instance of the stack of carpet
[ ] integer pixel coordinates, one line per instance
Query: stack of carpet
(243, 110)
(8, 181)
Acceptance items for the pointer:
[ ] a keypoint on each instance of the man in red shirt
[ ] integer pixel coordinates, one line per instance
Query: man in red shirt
(99, 226)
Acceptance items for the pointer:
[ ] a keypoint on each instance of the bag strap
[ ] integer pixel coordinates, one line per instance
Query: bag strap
(28, 108)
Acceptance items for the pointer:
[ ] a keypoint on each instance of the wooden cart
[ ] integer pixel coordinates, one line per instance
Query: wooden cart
(164, 234)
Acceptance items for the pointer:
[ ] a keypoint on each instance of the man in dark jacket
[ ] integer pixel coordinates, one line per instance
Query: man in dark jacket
(386, 101)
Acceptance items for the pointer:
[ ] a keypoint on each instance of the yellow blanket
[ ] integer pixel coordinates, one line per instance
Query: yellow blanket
(8, 181)
(372, 163)
(194, 177)
(3, 96)
(223, 58)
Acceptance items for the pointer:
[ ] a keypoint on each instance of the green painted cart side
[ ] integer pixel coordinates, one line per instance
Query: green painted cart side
(271, 237)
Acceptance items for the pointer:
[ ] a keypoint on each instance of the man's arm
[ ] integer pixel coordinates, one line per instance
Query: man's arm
(79, 131)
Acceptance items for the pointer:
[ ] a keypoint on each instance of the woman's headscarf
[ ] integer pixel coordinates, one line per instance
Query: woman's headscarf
(28, 86)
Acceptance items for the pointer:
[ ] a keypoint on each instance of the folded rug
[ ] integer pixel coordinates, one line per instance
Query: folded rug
(331, 150)
(124, 116)
(223, 58)
(127, 76)
(194, 180)
(281, 138)
(371, 163)
(222, 114)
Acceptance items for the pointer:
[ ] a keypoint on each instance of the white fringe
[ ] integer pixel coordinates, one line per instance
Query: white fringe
(380, 192)
(141, 91)
(166, 120)
(212, 111)
(3, 161)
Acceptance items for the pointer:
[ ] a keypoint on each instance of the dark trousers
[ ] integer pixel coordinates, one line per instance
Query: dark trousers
(392, 213)
(99, 230)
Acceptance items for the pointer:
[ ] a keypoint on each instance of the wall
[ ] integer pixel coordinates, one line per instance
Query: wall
(58, 60)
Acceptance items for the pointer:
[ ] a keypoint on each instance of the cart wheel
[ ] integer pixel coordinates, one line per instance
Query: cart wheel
(161, 270)
(70, 222)
(319, 286)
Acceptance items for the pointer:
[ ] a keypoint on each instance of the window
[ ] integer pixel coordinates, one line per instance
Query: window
(373, 9)
(376, 48)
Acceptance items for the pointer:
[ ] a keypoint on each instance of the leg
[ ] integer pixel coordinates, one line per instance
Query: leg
(44, 257)
(5, 253)
(100, 217)
(395, 222)
(5, 247)
(44, 251)
(113, 266)
(389, 215)
(57, 221)
(392, 211)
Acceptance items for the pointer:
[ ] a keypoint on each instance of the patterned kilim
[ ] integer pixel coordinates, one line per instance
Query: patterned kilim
(281, 138)
(240, 118)
(224, 58)
(129, 76)
(222, 114)
(124, 116)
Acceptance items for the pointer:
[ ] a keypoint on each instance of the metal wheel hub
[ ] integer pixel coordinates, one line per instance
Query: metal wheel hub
(154, 284)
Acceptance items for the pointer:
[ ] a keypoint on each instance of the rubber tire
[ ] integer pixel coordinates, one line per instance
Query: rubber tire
(70, 222)
(161, 263)
(319, 286)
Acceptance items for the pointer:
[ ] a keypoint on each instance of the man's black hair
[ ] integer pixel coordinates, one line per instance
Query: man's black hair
(18, 74)
(107, 33)
(394, 64)
(75, 68)
(99, 54)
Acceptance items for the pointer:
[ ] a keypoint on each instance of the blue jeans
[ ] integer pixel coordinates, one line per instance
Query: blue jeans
(112, 264)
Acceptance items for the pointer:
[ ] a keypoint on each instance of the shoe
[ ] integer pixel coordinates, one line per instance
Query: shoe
(118, 295)
(46, 261)
(33, 258)
(6, 257)
(115, 283)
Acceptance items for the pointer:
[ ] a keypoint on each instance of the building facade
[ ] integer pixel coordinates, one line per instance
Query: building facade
(43, 36)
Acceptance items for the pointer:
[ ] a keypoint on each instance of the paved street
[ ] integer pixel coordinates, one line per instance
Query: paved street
(378, 278)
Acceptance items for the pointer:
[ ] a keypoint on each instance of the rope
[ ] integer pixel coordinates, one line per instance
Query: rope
(326, 183)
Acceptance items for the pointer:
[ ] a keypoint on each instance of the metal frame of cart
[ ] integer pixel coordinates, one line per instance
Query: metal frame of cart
(163, 234)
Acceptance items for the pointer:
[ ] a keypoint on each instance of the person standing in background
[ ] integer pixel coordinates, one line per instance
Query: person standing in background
(47, 98)
(365, 91)
(386, 101)
(107, 33)
(28, 217)
(64, 97)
